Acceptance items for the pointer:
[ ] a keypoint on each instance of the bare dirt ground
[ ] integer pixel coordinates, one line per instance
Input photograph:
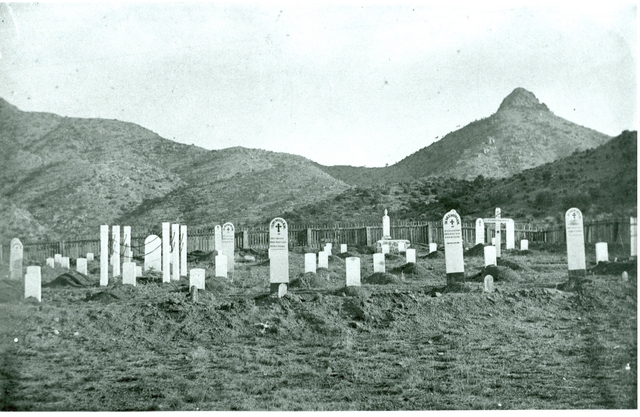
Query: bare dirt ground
(397, 343)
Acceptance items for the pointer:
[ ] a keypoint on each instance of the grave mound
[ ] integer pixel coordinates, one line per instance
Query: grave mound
(348, 254)
(499, 273)
(358, 292)
(410, 269)
(433, 255)
(477, 250)
(201, 256)
(310, 280)
(150, 276)
(335, 258)
(509, 264)
(456, 287)
(11, 290)
(393, 257)
(323, 273)
(71, 279)
(215, 284)
(614, 268)
(524, 252)
(102, 296)
(382, 278)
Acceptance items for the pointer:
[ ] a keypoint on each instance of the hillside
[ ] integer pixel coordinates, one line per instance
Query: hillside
(64, 176)
(522, 134)
(601, 182)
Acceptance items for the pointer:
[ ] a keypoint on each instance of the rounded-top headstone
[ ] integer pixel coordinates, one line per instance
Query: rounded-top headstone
(488, 283)
(279, 251)
(625, 276)
(575, 242)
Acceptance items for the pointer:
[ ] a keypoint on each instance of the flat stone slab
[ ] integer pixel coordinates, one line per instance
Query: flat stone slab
(393, 245)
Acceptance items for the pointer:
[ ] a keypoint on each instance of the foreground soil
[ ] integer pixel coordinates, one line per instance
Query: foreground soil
(402, 341)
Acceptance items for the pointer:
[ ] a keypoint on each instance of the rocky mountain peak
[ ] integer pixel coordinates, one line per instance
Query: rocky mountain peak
(522, 99)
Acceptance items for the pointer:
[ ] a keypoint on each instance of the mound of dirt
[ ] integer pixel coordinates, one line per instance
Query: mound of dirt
(103, 297)
(477, 250)
(433, 255)
(393, 257)
(201, 256)
(410, 269)
(358, 292)
(150, 276)
(381, 278)
(323, 273)
(71, 279)
(310, 280)
(335, 258)
(499, 273)
(216, 285)
(348, 254)
(615, 268)
(11, 290)
(509, 264)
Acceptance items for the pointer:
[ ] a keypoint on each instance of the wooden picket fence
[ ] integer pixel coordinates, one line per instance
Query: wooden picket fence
(315, 236)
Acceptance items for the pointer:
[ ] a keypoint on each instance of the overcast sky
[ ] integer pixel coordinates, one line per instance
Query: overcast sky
(363, 84)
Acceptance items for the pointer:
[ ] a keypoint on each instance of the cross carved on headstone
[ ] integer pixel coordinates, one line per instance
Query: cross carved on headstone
(278, 227)
(452, 222)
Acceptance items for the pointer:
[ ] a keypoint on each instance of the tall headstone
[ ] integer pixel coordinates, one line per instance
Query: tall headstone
(343, 248)
(115, 250)
(104, 255)
(89, 256)
(411, 256)
(479, 232)
(385, 249)
(378, 263)
(196, 277)
(51, 263)
(217, 238)
(323, 260)
(33, 283)
(279, 262)
(183, 250)
(453, 250)
(175, 252)
(498, 226)
(490, 256)
(524, 244)
(433, 247)
(228, 244)
(65, 262)
(15, 259)
(386, 226)
(602, 252)
(153, 253)
(309, 262)
(166, 251)
(633, 231)
(575, 243)
(81, 265)
(511, 234)
(57, 259)
(353, 271)
(126, 244)
(129, 273)
(221, 266)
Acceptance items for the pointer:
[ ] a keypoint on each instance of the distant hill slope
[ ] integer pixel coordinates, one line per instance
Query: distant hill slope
(601, 182)
(522, 134)
(65, 176)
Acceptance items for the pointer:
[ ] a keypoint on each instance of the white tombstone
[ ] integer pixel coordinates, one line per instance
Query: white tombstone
(183, 250)
(196, 277)
(89, 256)
(386, 226)
(166, 252)
(175, 252)
(65, 262)
(282, 289)
(353, 271)
(498, 226)
(138, 271)
(479, 232)
(433, 247)
(217, 238)
(51, 263)
(490, 256)
(343, 248)
(453, 249)
(602, 252)
(524, 244)
(488, 283)
(328, 248)
(115, 250)
(57, 258)
(378, 262)
(309, 262)
(385, 249)
(126, 244)
(401, 247)
(33, 283)
(221, 266)
(511, 234)
(323, 260)
(81, 265)
(129, 273)
(411, 256)
(575, 242)
(15, 259)
(153, 253)
(493, 241)
(104, 255)
(633, 231)
(279, 245)
(228, 244)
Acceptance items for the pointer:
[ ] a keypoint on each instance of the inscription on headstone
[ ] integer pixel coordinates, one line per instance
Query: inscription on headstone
(411, 256)
(15, 259)
(279, 245)
(32, 283)
(378, 262)
(104, 255)
(221, 266)
(479, 232)
(575, 242)
(353, 271)
(228, 244)
(129, 273)
(153, 253)
(453, 250)
(166, 251)
(81, 265)
(196, 277)
(602, 252)
(309, 262)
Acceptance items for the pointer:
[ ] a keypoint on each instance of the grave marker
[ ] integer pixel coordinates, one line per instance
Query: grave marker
(309, 262)
(104, 255)
(166, 251)
(411, 256)
(153, 253)
(217, 238)
(221, 266)
(524, 244)
(175, 252)
(575, 243)
(453, 250)
(81, 265)
(115, 250)
(129, 273)
(51, 263)
(279, 262)
(89, 256)
(511, 234)
(65, 262)
(498, 225)
(33, 283)
(385, 249)
(196, 278)
(378, 263)
(490, 256)
(343, 248)
(633, 231)
(15, 259)
(328, 248)
(479, 232)
(138, 271)
(323, 260)
(282, 289)
(602, 252)
(353, 271)
(488, 283)
(228, 244)
(386, 226)
(57, 258)
(126, 243)
(183, 250)
(401, 247)
(433, 247)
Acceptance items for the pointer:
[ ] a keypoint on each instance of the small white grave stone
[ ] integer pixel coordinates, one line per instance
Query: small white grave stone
(625, 276)
(32, 283)
(490, 256)
(378, 262)
(411, 256)
(282, 289)
(153, 253)
(217, 238)
(385, 249)
(183, 250)
(433, 247)
(524, 244)
(323, 260)
(575, 242)
(602, 252)
(104, 255)
(309, 262)
(479, 231)
(57, 259)
(633, 231)
(386, 226)
(166, 252)
(115, 250)
(279, 245)
(129, 273)
(126, 244)
(51, 262)
(498, 226)
(65, 262)
(343, 248)
(353, 271)
(175, 252)
(328, 248)
(511, 234)
(196, 277)
(221, 266)
(81, 265)
(488, 283)
(138, 271)
(401, 247)
(89, 256)
(228, 244)
(493, 241)
(453, 249)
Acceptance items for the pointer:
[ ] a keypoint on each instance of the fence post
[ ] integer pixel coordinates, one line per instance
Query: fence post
(368, 231)
(245, 239)
(309, 238)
